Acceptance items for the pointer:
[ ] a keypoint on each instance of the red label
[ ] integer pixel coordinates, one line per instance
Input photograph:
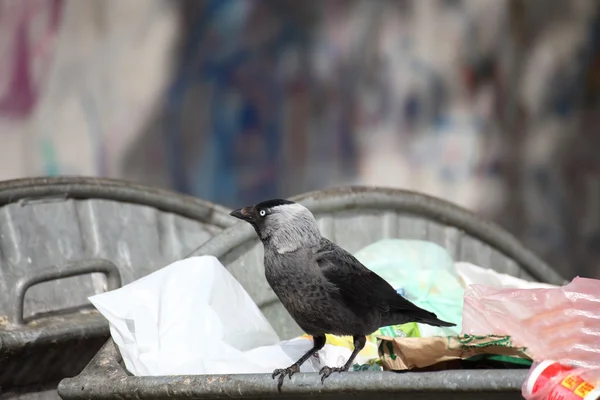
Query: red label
(546, 376)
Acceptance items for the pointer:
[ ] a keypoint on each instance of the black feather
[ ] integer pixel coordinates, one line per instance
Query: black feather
(360, 287)
(273, 203)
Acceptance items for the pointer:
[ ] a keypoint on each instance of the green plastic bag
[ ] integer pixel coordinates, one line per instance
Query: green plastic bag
(425, 272)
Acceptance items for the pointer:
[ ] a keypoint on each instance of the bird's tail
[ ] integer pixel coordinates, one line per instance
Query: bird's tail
(433, 320)
(420, 316)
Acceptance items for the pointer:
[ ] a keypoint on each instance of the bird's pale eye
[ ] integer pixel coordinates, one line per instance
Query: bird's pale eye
(262, 213)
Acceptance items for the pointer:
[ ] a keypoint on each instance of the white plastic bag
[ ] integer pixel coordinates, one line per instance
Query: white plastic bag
(193, 317)
(471, 274)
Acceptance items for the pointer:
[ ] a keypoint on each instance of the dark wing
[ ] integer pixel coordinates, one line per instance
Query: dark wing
(358, 285)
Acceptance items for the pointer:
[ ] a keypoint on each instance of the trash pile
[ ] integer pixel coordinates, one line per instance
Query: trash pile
(192, 317)
(560, 327)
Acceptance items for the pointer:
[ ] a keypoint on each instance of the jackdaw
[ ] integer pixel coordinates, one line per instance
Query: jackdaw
(323, 287)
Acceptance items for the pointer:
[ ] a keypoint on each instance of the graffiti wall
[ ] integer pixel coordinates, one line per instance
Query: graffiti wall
(492, 104)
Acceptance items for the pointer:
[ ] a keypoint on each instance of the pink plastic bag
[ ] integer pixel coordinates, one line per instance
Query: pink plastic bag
(554, 324)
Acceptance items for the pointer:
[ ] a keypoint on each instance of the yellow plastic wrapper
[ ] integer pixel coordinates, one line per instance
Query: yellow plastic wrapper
(371, 351)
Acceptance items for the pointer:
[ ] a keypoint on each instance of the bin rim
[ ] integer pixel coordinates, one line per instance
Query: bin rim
(105, 378)
(338, 199)
(87, 187)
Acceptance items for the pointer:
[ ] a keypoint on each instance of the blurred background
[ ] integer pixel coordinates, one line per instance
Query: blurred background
(491, 104)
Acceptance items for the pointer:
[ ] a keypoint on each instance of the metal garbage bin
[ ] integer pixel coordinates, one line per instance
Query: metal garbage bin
(64, 239)
(352, 217)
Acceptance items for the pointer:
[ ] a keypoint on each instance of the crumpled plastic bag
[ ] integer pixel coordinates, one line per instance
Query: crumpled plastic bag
(471, 274)
(425, 272)
(193, 317)
(554, 324)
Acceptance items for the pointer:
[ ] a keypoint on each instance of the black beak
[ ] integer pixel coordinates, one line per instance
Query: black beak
(244, 214)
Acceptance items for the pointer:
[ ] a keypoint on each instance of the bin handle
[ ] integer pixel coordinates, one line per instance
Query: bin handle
(73, 268)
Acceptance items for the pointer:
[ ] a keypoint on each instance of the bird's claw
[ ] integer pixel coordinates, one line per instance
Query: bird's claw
(326, 371)
(282, 372)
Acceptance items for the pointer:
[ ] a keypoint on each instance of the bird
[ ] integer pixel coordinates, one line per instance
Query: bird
(324, 288)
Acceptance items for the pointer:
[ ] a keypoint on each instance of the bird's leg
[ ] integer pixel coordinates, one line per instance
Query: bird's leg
(318, 343)
(359, 344)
